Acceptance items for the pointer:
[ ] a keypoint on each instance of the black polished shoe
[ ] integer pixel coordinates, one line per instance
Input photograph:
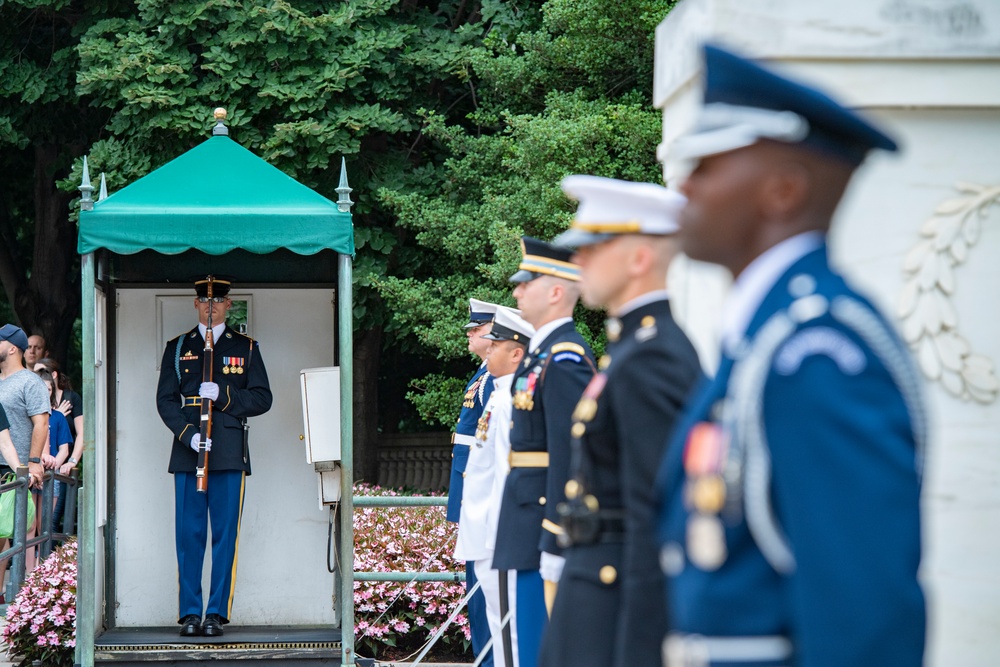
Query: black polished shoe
(190, 626)
(212, 627)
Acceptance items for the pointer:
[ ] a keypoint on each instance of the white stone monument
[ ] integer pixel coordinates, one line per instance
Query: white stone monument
(918, 231)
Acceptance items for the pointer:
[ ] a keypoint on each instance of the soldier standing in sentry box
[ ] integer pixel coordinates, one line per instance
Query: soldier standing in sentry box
(791, 514)
(610, 609)
(239, 389)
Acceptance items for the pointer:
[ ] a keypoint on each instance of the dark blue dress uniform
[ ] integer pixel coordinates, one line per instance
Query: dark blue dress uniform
(790, 520)
(545, 390)
(610, 609)
(477, 393)
(820, 523)
(243, 392)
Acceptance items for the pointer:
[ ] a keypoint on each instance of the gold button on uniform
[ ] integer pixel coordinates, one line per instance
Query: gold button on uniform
(541, 501)
(463, 475)
(608, 574)
(578, 430)
(572, 489)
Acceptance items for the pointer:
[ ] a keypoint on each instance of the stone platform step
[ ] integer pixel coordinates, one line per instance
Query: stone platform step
(286, 646)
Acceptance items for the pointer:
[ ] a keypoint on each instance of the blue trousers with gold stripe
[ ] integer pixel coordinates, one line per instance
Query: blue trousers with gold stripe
(223, 505)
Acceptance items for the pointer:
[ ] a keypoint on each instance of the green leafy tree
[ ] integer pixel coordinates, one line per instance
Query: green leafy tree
(44, 125)
(572, 95)
(304, 83)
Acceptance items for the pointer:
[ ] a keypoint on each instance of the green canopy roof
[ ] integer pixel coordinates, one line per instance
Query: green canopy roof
(215, 198)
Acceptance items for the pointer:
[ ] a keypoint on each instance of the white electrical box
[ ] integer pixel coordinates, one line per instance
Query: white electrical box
(328, 475)
(321, 413)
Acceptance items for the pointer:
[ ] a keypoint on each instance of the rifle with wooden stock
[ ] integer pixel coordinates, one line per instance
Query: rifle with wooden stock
(208, 363)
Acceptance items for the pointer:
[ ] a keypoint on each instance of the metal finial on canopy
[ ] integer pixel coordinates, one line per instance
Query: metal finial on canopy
(344, 202)
(102, 194)
(86, 189)
(220, 128)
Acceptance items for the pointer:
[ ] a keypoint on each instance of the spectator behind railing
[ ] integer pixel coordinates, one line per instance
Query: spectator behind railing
(59, 438)
(70, 404)
(25, 400)
(35, 350)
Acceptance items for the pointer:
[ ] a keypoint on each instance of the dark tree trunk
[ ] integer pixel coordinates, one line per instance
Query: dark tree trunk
(367, 349)
(47, 302)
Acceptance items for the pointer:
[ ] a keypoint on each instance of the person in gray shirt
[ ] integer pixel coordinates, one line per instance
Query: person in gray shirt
(25, 400)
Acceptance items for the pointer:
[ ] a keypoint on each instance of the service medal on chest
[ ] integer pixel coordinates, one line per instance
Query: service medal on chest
(706, 541)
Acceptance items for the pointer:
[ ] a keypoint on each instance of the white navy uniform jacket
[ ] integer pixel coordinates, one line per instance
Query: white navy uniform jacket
(480, 509)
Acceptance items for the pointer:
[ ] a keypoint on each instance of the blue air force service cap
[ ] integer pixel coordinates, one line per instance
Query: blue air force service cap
(539, 258)
(745, 103)
(15, 335)
(610, 207)
(509, 325)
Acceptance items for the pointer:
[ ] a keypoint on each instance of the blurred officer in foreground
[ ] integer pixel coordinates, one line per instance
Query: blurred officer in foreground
(239, 389)
(487, 470)
(611, 606)
(546, 387)
(791, 520)
(477, 393)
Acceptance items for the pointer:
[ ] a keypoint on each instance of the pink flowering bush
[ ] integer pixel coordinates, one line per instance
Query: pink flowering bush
(41, 622)
(405, 539)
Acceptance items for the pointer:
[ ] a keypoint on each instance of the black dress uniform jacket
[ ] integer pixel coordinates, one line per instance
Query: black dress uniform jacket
(610, 608)
(545, 388)
(241, 395)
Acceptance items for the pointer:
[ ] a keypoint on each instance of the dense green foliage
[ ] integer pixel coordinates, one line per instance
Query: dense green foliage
(571, 96)
(44, 126)
(458, 118)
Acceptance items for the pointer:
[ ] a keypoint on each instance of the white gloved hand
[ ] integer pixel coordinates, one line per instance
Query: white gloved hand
(551, 566)
(196, 442)
(209, 390)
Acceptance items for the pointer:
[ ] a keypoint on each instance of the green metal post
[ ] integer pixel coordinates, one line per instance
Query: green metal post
(345, 326)
(86, 575)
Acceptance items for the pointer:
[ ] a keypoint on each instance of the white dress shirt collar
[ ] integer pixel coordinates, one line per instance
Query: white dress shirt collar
(543, 332)
(757, 280)
(216, 331)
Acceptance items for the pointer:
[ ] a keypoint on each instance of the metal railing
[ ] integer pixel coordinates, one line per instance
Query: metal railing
(46, 537)
(410, 577)
(405, 501)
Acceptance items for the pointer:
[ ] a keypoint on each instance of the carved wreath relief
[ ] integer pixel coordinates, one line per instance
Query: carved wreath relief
(930, 323)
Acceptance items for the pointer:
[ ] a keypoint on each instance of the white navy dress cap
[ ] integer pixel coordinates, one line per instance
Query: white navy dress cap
(480, 312)
(509, 325)
(609, 207)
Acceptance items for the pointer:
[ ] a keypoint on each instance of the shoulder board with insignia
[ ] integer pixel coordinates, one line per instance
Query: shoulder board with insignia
(568, 347)
(567, 356)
